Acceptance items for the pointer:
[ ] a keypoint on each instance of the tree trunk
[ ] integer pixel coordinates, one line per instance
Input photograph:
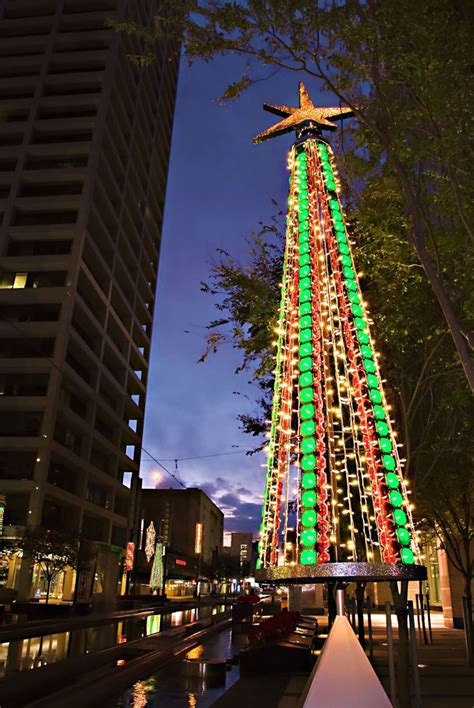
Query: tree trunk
(403, 659)
(433, 277)
(48, 586)
(469, 631)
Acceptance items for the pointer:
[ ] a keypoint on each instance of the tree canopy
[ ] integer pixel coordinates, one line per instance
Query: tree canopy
(405, 68)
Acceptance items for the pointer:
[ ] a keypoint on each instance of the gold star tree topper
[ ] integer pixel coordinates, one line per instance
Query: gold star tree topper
(320, 116)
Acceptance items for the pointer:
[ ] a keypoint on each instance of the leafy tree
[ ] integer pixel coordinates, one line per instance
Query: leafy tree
(388, 62)
(51, 550)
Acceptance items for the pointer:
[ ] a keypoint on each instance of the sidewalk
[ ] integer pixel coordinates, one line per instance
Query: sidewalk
(445, 679)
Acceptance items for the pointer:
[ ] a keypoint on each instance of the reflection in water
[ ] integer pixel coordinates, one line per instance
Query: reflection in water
(153, 624)
(172, 687)
(140, 693)
(28, 654)
(195, 653)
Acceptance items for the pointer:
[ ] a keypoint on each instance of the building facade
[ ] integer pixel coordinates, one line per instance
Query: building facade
(191, 528)
(85, 139)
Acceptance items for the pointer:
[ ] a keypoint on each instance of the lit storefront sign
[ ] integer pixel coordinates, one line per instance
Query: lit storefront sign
(198, 539)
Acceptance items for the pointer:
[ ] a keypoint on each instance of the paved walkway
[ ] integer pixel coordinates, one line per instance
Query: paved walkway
(445, 679)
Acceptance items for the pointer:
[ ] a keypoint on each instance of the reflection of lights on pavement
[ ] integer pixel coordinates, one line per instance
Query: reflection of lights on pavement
(192, 700)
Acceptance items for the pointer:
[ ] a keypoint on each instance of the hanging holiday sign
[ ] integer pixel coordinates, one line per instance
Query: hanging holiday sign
(150, 541)
(129, 556)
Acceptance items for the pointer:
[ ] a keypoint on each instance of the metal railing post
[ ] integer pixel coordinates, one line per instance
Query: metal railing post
(391, 657)
(414, 656)
(369, 627)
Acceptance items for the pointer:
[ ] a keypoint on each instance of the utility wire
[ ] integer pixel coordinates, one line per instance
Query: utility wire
(202, 457)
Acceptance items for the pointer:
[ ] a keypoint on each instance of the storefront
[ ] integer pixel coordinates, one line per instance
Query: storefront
(180, 575)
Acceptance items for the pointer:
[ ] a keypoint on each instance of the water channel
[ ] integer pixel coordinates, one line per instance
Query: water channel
(172, 688)
(38, 651)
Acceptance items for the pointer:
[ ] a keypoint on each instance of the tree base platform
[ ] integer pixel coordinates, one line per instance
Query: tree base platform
(340, 572)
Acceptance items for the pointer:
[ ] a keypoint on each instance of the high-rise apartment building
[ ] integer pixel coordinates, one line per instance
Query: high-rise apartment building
(84, 146)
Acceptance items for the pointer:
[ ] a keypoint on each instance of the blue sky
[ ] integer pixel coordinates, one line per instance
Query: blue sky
(220, 186)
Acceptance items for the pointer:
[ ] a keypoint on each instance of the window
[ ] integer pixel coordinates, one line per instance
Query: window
(13, 280)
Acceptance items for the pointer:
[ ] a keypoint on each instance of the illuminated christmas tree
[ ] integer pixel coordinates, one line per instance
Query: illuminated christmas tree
(334, 469)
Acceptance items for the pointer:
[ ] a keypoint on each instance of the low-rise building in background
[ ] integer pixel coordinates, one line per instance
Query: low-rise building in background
(190, 527)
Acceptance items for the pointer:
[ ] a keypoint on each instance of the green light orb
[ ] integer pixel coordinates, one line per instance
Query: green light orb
(305, 283)
(351, 285)
(306, 395)
(308, 428)
(388, 462)
(381, 427)
(305, 308)
(305, 349)
(385, 444)
(309, 518)
(308, 537)
(359, 323)
(308, 480)
(392, 480)
(346, 260)
(403, 536)
(407, 556)
(354, 298)
(309, 499)
(305, 259)
(308, 557)
(372, 380)
(306, 379)
(304, 226)
(363, 337)
(379, 412)
(366, 352)
(344, 249)
(307, 411)
(349, 273)
(357, 311)
(305, 322)
(341, 238)
(308, 463)
(396, 498)
(309, 444)
(304, 236)
(304, 247)
(305, 296)
(305, 335)
(305, 271)
(306, 364)
(399, 517)
(368, 365)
